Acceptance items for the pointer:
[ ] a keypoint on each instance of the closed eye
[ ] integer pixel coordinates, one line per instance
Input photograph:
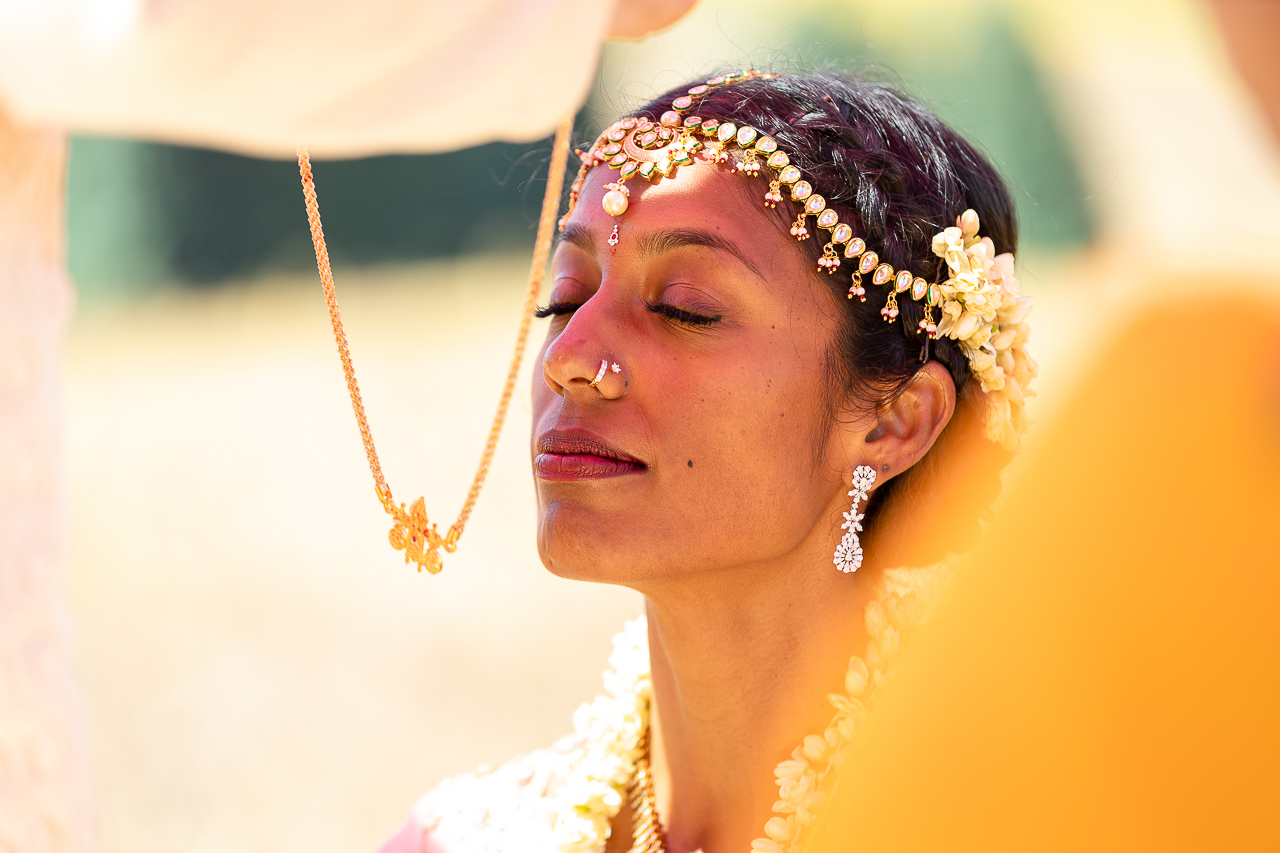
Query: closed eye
(680, 315)
(557, 309)
(691, 318)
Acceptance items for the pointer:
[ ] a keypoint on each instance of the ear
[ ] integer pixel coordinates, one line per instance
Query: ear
(906, 428)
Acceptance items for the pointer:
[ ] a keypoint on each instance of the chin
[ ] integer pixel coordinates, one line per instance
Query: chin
(579, 544)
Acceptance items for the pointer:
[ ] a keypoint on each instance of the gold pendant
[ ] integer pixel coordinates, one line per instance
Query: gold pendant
(412, 533)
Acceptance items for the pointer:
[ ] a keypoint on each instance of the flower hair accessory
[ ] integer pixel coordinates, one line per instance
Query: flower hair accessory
(983, 311)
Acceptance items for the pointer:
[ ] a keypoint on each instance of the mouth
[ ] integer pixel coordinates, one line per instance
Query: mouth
(565, 456)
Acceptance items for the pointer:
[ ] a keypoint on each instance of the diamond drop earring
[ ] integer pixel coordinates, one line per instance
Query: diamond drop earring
(848, 556)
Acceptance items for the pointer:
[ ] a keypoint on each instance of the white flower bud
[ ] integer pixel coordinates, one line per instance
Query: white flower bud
(791, 768)
(876, 620)
(1004, 339)
(841, 757)
(887, 643)
(815, 801)
(815, 748)
(966, 326)
(848, 728)
(855, 681)
(847, 706)
(792, 789)
(779, 829)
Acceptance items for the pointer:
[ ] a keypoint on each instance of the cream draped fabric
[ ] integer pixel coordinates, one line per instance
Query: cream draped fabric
(263, 76)
(255, 76)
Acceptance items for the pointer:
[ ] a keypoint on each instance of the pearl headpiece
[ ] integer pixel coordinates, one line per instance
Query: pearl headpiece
(639, 147)
(979, 301)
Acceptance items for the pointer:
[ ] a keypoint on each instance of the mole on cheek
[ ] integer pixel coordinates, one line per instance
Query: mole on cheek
(690, 463)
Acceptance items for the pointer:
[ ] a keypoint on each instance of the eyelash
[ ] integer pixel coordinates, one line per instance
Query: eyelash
(680, 315)
(689, 318)
(557, 309)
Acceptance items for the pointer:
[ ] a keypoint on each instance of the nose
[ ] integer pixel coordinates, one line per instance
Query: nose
(579, 361)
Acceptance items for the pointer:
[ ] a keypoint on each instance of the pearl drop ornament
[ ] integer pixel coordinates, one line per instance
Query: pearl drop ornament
(615, 202)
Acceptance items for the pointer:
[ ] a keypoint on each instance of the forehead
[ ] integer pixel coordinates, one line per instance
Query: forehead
(701, 195)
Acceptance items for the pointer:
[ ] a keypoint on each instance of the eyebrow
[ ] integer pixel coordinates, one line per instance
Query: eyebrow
(578, 235)
(659, 242)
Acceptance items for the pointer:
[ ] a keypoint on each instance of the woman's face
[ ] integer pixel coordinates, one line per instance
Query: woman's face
(713, 445)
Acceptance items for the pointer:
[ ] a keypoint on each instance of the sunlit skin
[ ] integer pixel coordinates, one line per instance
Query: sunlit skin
(727, 505)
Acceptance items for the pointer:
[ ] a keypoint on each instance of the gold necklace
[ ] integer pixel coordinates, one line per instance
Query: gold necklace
(647, 835)
(410, 530)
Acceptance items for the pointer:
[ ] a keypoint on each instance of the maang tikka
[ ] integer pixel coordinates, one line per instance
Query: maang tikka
(615, 203)
(848, 556)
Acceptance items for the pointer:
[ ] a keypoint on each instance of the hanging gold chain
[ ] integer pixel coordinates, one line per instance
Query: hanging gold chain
(410, 530)
(647, 835)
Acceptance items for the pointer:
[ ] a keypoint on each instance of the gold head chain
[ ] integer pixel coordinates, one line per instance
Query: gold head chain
(647, 149)
(410, 530)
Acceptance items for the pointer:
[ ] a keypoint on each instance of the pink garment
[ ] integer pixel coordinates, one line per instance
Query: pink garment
(412, 838)
(46, 804)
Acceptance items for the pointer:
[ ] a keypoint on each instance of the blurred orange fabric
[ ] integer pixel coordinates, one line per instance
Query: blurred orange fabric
(1106, 673)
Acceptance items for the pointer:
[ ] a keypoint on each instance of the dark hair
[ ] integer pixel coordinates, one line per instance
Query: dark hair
(896, 173)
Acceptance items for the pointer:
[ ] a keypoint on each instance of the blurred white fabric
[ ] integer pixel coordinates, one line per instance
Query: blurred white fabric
(264, 76)
(45, 802)
(255, 76)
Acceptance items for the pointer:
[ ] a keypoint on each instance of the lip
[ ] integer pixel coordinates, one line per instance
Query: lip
(580, 455)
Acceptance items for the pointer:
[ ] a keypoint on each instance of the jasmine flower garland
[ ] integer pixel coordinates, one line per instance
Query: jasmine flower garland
(612, 725)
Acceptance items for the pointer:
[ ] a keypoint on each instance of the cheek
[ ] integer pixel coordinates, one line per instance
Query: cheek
(752, 432)
(756, 488)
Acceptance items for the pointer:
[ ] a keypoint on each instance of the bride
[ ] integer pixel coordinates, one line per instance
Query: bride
(786, 358)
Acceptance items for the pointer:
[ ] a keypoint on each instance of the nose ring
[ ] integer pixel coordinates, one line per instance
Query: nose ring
(604, 367)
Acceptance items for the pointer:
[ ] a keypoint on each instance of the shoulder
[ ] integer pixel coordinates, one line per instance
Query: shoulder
(510, 808)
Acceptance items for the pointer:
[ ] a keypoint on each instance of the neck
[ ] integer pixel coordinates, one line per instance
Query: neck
(742, 663)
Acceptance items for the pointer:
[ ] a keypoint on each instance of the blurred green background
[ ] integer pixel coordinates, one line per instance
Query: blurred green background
(143, 216)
